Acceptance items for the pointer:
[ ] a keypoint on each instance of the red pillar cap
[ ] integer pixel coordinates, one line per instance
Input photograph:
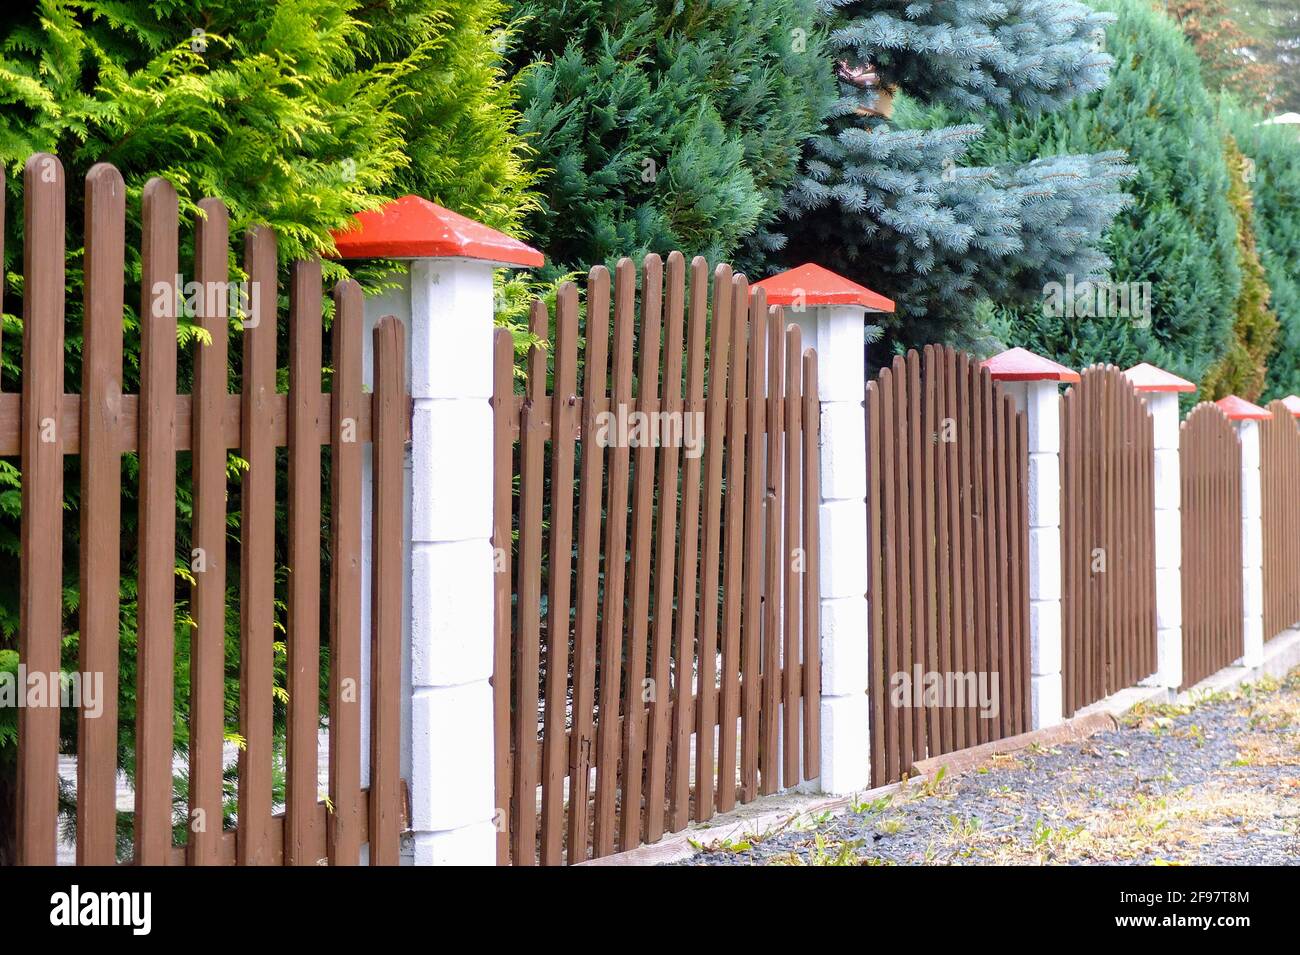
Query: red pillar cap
(1020, 364)
(1239, 409)
(415, 228)
(810, 284)
(1292, 405)
(1147, 377)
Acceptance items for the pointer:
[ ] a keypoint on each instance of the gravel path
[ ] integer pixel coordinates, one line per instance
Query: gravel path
(1218, 783)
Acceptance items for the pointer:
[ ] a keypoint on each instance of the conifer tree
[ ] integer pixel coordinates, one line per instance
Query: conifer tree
(1179, 237)
(1273, 163)
(663, 125)
(889, 196)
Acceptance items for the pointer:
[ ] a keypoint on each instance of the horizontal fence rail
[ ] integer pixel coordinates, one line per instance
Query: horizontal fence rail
(1210, 468)
(947, 461)
(1279, 464)
(657, 627)
(1108, 565)
(229, 637)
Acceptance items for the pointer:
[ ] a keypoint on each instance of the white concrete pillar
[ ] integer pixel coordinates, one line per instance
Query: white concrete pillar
(445, 300)
(1159, 390)
(1034, 383)
(830, 311)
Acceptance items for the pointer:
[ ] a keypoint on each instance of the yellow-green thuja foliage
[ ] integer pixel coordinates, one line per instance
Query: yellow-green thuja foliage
(297, 113)
(1243, 366)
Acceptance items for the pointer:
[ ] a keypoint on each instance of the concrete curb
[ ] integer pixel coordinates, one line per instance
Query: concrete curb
(768, 813)
(1281, 656)
(964, 760)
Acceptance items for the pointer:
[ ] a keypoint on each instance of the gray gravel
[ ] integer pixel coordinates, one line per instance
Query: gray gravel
(1216, 784)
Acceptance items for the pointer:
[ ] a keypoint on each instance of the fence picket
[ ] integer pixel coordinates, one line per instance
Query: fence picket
(503, 352)
(755, 485)
(40, 605)
(710, 499)
(930, 617)
(529, 576)
(608, 769)
(774, 551)
(880, 553)
(689, 698)
(885, 659)
(302, 668)
(733, 305)
(938, 570)
(257, 555)
(390, 417)
(792, 557)
(344, 837)
(906, 635)
(101, 500)
(966, 395)
(157, 527)
(208, 540)
(595, 390)
(812, 670)
(631, 821)
(563, 425)
(665, 554)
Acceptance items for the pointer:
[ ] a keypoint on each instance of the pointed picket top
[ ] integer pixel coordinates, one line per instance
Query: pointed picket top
(1292, 405)
(811, 285)
(1239, 409)
(415, 228)
(1020, 364)
(1147, 377)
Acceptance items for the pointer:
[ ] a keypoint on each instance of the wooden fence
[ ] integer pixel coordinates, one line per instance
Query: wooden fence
(1210, 468)
(637, 662)
(948, 553)
(1279, 460)
(1108, 566)
(43, 424)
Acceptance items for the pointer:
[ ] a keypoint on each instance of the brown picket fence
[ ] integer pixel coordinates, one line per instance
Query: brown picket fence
(1108, 565)
(1279, 461)
(43, 424)
(672, 668)
(1209, 455)
(948, 538)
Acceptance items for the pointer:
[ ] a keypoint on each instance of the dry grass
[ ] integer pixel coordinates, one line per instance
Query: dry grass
(1083, 822)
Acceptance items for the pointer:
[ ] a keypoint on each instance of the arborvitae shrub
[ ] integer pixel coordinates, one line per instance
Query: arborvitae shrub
(1179, 234)
(1254, 327)
(663, 125)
